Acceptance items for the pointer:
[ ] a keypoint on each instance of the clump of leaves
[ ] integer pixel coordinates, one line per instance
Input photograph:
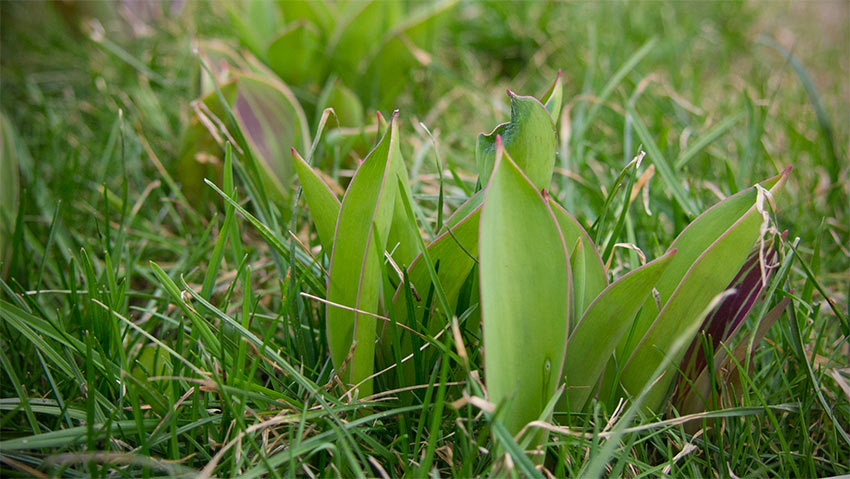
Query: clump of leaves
(303, 58)
(549, 315)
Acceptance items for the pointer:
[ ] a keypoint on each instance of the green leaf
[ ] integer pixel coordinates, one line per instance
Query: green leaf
(323, 203)
(346, 105)
(316, 12)
(404, 234)
(355, 280)
(553, 99)
(595, 337)
(456, 252)
(255, 22)
(358, 31)
(272, 121)
(594, 278)
(529, 139)
(295, 53)
(708, 277)
(404, 48)
(526, 295)
(690, 244)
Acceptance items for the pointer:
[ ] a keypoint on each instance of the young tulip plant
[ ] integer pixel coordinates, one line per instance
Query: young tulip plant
(514, 265)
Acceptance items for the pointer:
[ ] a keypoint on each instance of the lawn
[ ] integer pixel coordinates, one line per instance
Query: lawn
(283, 239)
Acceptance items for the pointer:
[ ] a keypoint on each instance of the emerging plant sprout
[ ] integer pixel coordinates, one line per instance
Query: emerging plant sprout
(549, 316)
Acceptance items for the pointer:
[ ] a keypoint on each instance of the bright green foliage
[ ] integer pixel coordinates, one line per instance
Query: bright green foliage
(594, 338)
(219, 362)
(553, 99)
(526, 295)
(591, 278)
(529, 139)
(294, 53)
(347, 108)
(323, 203)
(683, 312)
(362, 228)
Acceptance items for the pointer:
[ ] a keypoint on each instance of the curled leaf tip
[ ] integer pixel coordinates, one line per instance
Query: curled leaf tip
(395, 114)
(292, 150)
(510, 93)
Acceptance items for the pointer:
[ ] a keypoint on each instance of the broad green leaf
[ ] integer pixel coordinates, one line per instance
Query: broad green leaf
(355, 278)
(690, 244)
(725, 321)
(526, 295)
(323, 203)
(295, 53)
(708, 277)
(596, 335)
(272, 121)
(456, 252)
(594, 278)
(316, 12)
(255, 22)
(529, 139)
(553, 99)
(464, 210)
(405, 47)
(578, 266)
(346, 105)
(358, 31)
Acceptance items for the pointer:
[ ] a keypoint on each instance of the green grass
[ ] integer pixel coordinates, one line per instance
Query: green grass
(144, 334)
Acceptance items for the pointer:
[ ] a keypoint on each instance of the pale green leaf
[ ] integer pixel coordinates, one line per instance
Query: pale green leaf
(682, 314)
(294, 55)
(355, 278)
(529, 139)
(553, 99)
(595, 279)
(526, 295)
(323, 203)
(596, 335)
